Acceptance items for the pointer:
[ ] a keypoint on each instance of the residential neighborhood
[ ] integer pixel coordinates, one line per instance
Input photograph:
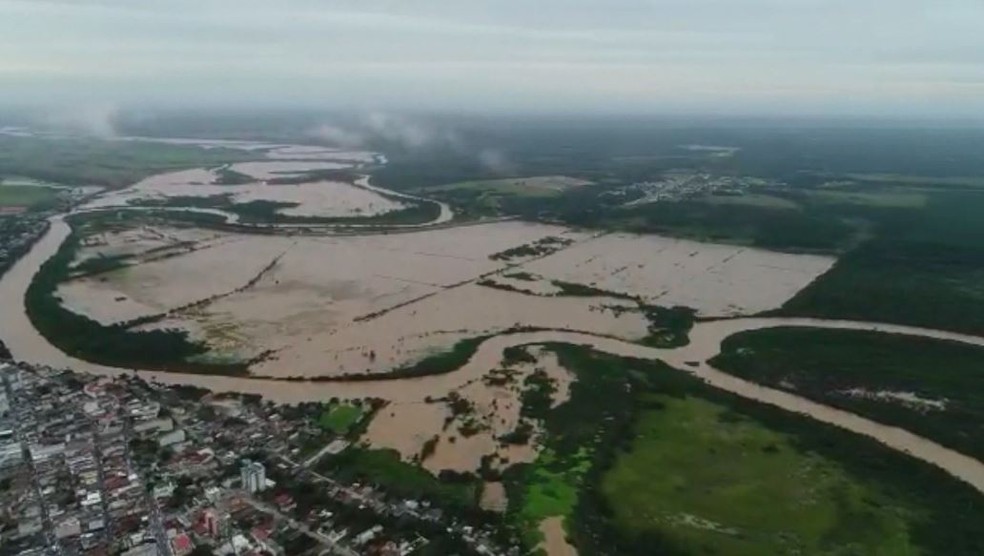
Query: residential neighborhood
(91, 465)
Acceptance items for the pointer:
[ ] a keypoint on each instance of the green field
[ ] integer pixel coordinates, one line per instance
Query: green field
(708, 482)
(827, 365)
(502, 196)
(340, 418)
(112, 164)
(752, 199)
(552, 488)
(896, 198)
(25, 196)
(930, 181)
(536, 186)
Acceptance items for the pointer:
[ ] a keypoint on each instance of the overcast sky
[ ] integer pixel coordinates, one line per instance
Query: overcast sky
(881, 57)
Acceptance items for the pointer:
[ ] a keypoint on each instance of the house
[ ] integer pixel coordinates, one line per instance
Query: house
(181, 545)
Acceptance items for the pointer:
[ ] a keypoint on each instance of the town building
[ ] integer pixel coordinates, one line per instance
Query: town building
(253, 476)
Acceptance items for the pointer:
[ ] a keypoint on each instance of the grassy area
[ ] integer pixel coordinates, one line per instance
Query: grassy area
(595, 416)
(552, 488)
(535, 186)
(340, 418)
(385, 468)
(704, 480)
(967, 181)
(112, 164)
(25, 196)
(849, 369)
(888, 199)
(752, 199)
(500, 196)
(741, 224)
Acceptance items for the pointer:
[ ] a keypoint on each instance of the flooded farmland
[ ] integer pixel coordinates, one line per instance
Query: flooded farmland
(333, 306)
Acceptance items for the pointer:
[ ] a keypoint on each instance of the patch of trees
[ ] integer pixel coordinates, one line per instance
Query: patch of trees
(521, 435)
(541, 247)
(99, 265)
(537, 395)
(517, 355)
(339, 175)
(669, 326)
(227, 176)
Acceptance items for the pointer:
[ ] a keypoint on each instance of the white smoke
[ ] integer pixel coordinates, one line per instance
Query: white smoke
(411, 135)
(339, 137)
(495, 161)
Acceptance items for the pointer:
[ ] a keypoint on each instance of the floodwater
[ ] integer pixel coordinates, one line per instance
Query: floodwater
(316, 198)
(28, 345)
(496, 406)
(555, 538)
(717, 280)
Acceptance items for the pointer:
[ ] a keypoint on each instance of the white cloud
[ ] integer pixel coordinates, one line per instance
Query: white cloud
(548, 55)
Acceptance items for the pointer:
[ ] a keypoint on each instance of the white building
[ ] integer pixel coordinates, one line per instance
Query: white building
(253, 476)
(171, 438)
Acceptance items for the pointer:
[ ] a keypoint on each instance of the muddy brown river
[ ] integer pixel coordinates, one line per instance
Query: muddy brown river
(27, 345)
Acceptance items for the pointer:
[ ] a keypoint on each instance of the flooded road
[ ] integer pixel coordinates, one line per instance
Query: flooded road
(27, 345)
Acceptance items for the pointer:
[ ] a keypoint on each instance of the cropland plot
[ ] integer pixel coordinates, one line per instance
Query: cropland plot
(320, 198)
(472, 243)
(716, 280)
(141, 241)
(409, 333)
(18, 195)
(172, 282)
(343, 305)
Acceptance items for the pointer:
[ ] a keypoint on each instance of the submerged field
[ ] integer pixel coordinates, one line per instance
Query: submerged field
(310, 307)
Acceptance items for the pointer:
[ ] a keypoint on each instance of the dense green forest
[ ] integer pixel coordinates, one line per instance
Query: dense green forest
(923, 269)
